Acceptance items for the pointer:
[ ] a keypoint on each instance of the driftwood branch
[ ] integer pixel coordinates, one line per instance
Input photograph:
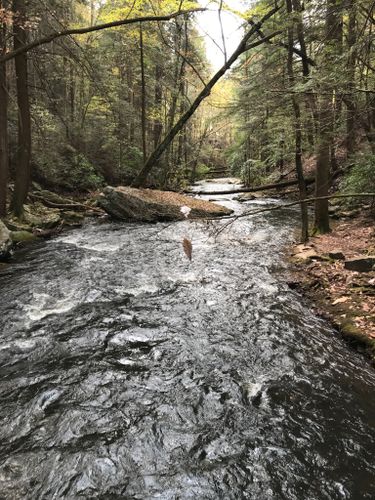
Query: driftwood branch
(266, 187)
(291, 204)
(81, 31)
(65, 206)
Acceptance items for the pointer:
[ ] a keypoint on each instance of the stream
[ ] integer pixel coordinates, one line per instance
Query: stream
(128, 372)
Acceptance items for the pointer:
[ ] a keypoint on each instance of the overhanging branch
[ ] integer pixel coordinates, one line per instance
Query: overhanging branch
(81, 31)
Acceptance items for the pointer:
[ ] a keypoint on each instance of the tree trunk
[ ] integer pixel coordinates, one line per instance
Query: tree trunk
(351, 101)
(310, 104)
(325, 153)
(23, 169)
(143, 95)
(322, 171)
(178, 69)
(334, 35)
(297, 132)
(130, 83)
(3, 122)
(158, 126)
(92, 12)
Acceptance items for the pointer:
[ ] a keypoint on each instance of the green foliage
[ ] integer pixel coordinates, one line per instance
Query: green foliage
(253, 172)
(202, 171)
(78, 173)
(133, 159)
(235, 158)
(361, 176)
(68, 169)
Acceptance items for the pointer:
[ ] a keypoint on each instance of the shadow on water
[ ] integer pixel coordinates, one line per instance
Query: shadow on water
(129, 372)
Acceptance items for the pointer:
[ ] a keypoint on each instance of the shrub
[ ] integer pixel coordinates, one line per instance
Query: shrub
(68, 169)
(361, 177)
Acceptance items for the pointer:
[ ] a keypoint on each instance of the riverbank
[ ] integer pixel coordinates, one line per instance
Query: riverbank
(336, 272)
(45, 215)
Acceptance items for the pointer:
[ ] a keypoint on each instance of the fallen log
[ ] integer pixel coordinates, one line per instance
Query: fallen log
(292, 204)
(278, 185)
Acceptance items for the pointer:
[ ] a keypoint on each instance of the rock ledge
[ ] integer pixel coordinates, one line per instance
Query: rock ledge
(149, 205)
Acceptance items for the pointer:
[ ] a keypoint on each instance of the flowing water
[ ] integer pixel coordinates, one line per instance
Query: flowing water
(128, 372)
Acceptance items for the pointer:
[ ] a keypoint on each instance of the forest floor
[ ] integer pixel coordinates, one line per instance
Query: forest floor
(345, 297)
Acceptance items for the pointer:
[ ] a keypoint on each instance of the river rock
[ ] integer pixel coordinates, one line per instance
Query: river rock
(307, 255)
(361, 264)
(246, 197)
(149, 205)
(5, 241)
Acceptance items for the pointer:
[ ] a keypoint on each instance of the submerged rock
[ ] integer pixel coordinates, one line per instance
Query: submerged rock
(5, 241)
(148, 205)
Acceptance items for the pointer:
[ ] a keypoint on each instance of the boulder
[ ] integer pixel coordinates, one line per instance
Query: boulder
(39, 216)
(361, 264)
(5, 241)
(148, 205)
(306, 253)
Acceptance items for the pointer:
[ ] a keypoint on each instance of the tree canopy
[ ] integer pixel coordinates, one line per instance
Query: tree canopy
(95, 93)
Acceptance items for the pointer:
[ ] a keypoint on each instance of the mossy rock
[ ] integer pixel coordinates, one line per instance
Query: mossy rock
(353, 334)
(72, 218)
(148, 205)
(14, 224)
(42, 217)
(22, 236)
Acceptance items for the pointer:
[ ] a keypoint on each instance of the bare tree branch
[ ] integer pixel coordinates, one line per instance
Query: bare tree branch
(233, 218)
(81, 31)
(222, 31)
